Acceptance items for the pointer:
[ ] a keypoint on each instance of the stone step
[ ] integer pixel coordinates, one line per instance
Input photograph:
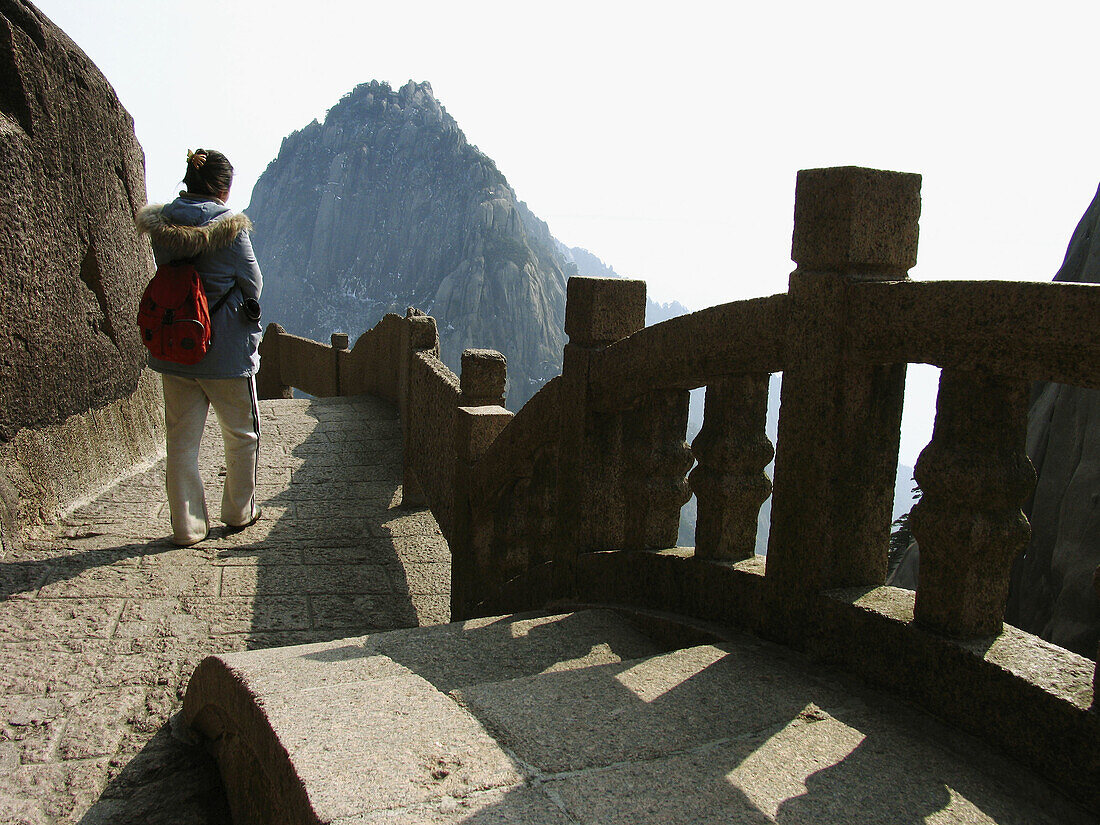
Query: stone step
(275, 718)
(580, 718)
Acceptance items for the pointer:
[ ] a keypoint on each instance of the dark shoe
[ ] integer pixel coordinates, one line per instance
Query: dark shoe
(230, 529)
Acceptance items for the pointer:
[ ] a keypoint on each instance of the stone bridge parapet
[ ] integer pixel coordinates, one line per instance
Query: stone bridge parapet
(576, 498)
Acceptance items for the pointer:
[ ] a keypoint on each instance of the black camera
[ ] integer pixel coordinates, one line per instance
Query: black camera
(251, 309)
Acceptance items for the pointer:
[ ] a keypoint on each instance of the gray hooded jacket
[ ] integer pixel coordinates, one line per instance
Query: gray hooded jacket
(206, 231)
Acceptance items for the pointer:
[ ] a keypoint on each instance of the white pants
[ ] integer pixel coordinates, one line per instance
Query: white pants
(186, 402)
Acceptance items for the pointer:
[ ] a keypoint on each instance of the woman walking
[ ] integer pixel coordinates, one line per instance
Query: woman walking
(198, 227)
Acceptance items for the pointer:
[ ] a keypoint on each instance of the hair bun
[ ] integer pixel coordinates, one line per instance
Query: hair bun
(196, 159)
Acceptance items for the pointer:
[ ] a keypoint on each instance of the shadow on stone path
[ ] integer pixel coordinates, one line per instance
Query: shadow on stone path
(102, 620)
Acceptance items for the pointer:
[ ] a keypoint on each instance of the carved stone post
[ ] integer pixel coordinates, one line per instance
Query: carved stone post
(655, 459)
(419, 334)
(598, 312)
(730, 483)
(974, 474)
(484, 375)
(840, 422)
(269, 382)
(478, 420)
(475, 429)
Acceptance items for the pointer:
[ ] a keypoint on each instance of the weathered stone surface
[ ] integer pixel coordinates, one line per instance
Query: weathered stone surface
(535, 720)
(483, 376)
(148, 582)
(514, 806)
(334, 578)
(476, 428)
(672, 702)
(861, 222)
(433, 390)
(97, 724)
(498, 649)
(974, 474)
(73, 414)
(442, 751)
(386, 205)
(1051, 591)
(840, 424)
(445, 761)
(822, 766)
(603, 310)
(167, 783)
(102, 622)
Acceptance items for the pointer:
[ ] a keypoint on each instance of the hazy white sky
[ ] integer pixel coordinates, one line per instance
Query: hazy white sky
(663, 138)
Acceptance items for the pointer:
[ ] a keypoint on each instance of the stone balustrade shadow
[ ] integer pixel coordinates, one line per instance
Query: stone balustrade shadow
(755, 739)
(736, 731)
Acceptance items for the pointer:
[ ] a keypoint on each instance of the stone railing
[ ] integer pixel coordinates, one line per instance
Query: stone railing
(577, 499)
(397, 360)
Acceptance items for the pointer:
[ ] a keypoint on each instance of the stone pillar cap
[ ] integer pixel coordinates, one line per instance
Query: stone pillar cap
(857, 221)
(483, 378)
(603, 310)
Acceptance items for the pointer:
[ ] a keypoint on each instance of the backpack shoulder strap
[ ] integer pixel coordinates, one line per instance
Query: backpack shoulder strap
(221, 301)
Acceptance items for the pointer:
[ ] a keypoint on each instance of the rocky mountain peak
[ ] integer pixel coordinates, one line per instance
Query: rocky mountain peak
(412, 101)
(384, 205)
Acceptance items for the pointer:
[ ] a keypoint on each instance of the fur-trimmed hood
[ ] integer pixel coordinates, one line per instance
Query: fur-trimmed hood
(188, 241)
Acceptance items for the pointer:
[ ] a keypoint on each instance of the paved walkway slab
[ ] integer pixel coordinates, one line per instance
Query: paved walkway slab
(578, 718)
(102, 620)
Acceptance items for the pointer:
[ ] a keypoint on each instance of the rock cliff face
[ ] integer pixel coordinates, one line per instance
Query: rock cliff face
(1052, 594)
(386, 205)
(72, 412)
(71, 176)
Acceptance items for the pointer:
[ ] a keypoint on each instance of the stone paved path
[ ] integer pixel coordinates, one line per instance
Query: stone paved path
(102, 620)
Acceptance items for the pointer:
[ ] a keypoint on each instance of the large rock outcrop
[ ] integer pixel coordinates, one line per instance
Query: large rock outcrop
(386, 205)
(73, 408)
(1052, 592)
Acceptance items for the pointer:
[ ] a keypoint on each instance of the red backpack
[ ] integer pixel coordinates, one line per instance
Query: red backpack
(173, 315)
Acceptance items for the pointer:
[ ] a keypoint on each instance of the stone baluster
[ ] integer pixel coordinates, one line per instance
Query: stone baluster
(729, 482)
(840, 421)
(269, 382)
(589, 508)
(655, 461)
(974, 475)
